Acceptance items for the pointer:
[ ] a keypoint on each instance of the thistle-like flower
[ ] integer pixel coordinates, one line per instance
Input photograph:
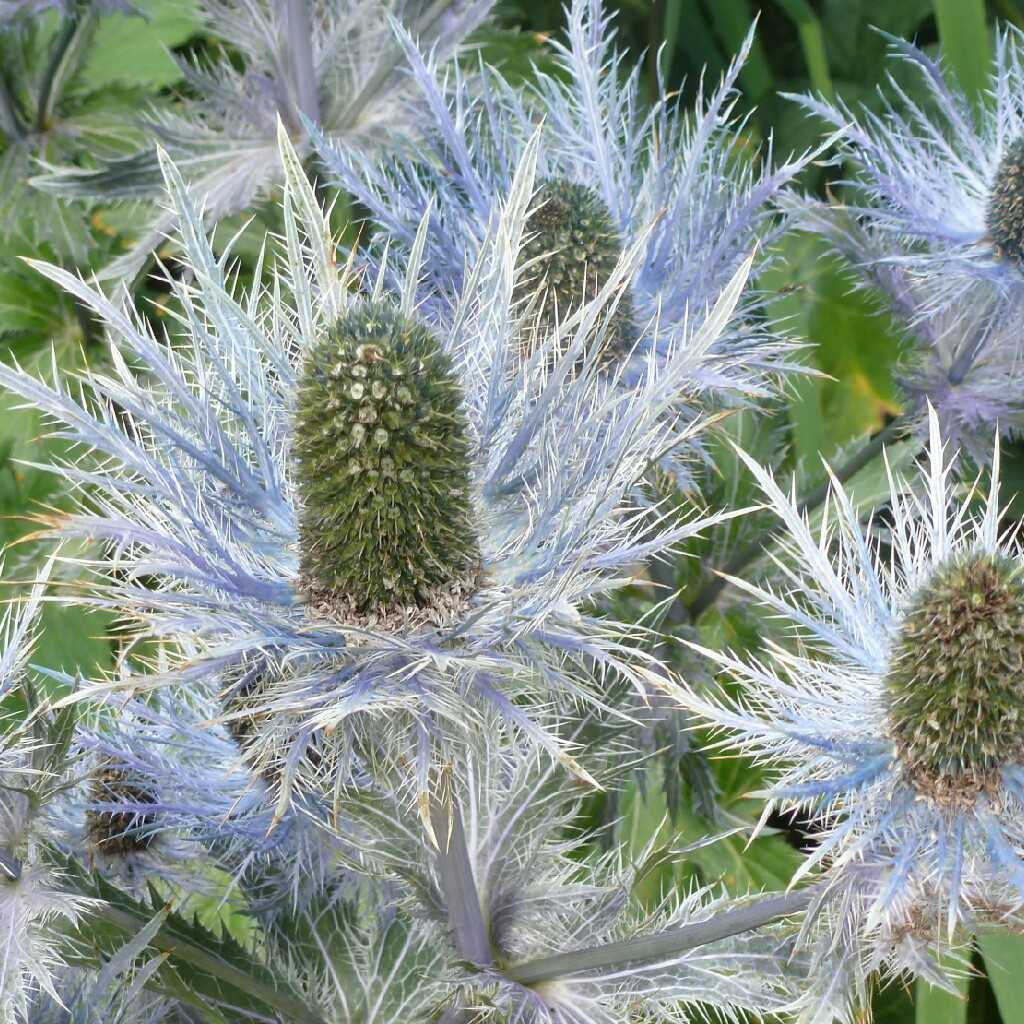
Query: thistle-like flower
(389, 520)
(610, 177)
(897, 720)
(334, 63)
(966, 362)
(943, 183)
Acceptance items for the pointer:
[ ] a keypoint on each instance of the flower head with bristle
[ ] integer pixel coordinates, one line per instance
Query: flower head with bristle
(333, 62)
(392, 520)
(898, 719)
(609, 178)
(964, 360)
(943, 182)
(524, 927)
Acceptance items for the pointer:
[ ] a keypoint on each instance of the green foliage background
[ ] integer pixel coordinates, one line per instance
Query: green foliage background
(830, 46)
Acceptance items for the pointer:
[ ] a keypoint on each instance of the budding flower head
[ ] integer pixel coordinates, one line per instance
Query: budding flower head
(572, 247)
(1005, 214)
(383, 468)
(955, 687)
(117, 827)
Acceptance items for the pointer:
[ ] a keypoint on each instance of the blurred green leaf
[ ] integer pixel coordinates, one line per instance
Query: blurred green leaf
(742, 866)
(1003, 953)
(933, 1005)
(133, 50)
(966, 48)
(852, 342)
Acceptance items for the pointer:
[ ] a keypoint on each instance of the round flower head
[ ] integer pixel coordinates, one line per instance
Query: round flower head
(364, 526)
(207, 802)
(943, 183)
(964, 361)
(609, 177)
(899, 718)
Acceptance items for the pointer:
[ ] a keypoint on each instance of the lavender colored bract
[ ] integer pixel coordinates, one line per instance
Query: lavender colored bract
(889, 724)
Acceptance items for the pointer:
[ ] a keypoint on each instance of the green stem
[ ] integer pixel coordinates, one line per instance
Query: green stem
(56, 69)
(13, 117)
(667, 943)
(812, 39)
(673, 19)
(710, 592)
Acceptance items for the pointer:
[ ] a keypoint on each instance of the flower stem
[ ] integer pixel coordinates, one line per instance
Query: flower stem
(667, 943)
(300, 54)
(711, 591)
(458, 886)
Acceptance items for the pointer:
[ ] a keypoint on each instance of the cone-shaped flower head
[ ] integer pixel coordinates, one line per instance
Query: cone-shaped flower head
(383, 468)
(943, 181)
(1005, 214)
(572, 248)
(367, 526)
(898, 718)
(610, 178)
(956, 682)
(117, 827)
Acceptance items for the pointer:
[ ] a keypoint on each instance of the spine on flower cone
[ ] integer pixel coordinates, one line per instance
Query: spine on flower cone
(383, 458)
(571, 248)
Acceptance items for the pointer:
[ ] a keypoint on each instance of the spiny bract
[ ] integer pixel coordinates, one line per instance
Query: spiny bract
(383, 466)
(1005, 214)
(955, 685)
(571, 251)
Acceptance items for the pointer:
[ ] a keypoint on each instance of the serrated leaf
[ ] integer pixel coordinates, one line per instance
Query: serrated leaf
(132, 50)
(213, 972)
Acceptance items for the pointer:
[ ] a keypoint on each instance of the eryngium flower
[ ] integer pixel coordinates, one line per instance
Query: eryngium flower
(942, 181)
(334, 63)
(896, 720)
(201, 494)
(390, 522)
(964, 361)
(611, 174)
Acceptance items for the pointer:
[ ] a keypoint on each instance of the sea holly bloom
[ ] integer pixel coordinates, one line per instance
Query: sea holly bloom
(491, 498)
(896, 719)
(943, 181)
(32, 898)
(207, 806)
(610, 175)
(963, 361)
(333, 62)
